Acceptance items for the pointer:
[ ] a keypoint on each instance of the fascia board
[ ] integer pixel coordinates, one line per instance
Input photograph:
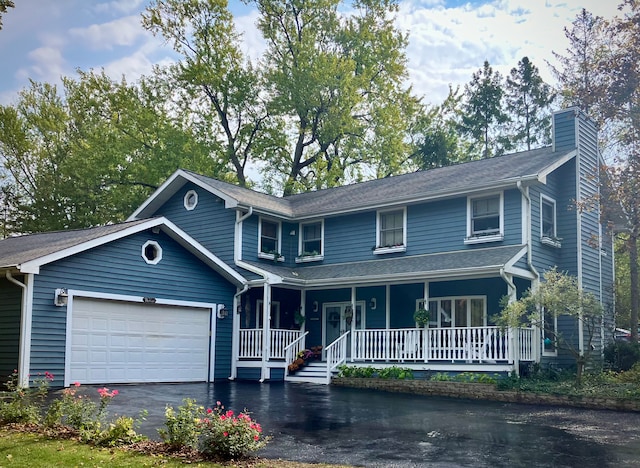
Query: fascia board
(169, 188)
(33, 266)
(269, 277)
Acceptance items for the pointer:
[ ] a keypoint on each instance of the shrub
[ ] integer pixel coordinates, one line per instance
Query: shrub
(182, 427)
(622, 355)
(23, 404)
(356, 372)
(120, 432)
(396, 373)
(229, 436)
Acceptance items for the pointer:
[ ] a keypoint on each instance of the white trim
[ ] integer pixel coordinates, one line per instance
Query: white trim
(452, 318)
(158, 251)
(266, 255)
(310, 258)
(165, 225)
(135, 299)
(186, 200)
(493, 237)
(382, 249)
(174, 183)
(550, 201)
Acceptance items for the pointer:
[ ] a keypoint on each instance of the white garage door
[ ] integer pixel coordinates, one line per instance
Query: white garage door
(126, 342)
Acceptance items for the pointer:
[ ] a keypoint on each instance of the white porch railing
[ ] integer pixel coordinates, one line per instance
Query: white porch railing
(251, 342)
(472, 344)
(292, 350)
(336, 354)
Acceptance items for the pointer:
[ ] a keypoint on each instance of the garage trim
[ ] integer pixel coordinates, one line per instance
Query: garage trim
(135, 299)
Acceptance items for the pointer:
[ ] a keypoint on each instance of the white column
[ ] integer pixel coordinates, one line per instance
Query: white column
(266, 331)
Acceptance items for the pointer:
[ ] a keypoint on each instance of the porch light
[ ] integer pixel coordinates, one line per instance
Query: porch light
(223, 312)
(373, 303)
(315, 306)
(61, 297)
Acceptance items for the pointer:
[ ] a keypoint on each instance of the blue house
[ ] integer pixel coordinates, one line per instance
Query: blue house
(343, 269)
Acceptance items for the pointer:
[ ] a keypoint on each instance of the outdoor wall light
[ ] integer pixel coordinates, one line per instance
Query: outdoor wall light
(315, 306)
(61, 297)
(222, 311)
(373, 303)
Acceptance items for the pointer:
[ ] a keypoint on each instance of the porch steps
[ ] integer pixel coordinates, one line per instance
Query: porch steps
(313, 372)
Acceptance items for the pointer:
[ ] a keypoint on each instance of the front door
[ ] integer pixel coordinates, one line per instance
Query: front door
(338, 318)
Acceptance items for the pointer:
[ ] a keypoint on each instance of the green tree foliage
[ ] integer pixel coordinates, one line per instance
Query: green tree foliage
(436, 137)
(528, 101)
(88, 154)
(557, 297)
(4, 6)
(483, 113)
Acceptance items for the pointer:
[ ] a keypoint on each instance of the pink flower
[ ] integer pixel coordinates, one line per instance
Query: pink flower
(255, 437)
(226, 434)
(48, 376)
(209, 411)
(217, 402)
(222, 417)
(77, 384)
(114, 393)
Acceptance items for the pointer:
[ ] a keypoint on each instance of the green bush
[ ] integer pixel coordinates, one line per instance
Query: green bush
(356, 372)
(182, 427)
(395, 373)
(23, 405)
(120, 432)
(622, 355)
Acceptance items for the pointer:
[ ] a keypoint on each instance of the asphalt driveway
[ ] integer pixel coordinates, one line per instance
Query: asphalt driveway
(312, 423)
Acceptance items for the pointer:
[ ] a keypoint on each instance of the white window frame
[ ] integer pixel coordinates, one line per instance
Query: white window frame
(553, 240)
(380, 249)
(158, 257)
(438, 323)
(187, 196)
(475, 238)
(270, 256)
(301, 258)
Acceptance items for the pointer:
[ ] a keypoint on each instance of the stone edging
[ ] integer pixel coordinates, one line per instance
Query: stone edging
(480, 391)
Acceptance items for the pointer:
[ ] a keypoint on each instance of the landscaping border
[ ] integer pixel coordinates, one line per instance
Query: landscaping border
(483, 391)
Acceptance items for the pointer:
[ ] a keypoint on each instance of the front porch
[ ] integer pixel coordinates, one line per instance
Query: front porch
(436, 349)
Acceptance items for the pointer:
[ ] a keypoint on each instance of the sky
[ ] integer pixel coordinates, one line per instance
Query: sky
(449, 40)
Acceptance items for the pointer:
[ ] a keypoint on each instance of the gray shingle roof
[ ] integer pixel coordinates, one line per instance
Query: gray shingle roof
(466, 177)
(449, 263)
(20, 249)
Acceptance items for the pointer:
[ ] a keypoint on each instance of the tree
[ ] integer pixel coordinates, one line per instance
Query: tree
(528, 99)
(437, 140)
(325, 104)
(4, 5)
(483, 113)
(559, 297)
(90, 154)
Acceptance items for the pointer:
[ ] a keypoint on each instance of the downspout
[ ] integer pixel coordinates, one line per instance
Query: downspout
(512, 331)
(25, 324)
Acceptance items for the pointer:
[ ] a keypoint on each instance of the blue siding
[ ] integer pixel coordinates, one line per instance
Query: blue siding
(250, 238)
(10, 310)
(374, 318)
(437, 227)
(210, 223)
(350, 238)
(564, 130)
(118, 268)
(403, 304)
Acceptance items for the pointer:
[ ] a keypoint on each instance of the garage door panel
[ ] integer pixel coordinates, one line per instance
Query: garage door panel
(120, 342)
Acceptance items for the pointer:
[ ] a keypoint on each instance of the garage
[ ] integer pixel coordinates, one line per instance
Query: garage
(128, 342)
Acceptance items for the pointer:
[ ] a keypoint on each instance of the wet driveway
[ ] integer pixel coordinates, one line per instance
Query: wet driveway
(310, 423)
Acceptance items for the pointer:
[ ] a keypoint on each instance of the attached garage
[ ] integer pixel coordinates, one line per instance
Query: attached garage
(127, 342)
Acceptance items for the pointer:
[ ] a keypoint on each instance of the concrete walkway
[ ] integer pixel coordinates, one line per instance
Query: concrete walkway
(314, 423)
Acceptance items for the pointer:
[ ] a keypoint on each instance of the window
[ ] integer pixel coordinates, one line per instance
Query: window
(485, 222)
(448, 312)
(311, 242)
(151, 252)
(392, 230)
(549, 333)
(190, 200)
(269, 239)
(548, 234)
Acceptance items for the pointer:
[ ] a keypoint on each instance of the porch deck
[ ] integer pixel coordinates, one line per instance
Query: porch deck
(489, 346)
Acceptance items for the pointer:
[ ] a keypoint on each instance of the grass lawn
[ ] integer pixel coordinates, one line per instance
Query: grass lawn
(29, 450)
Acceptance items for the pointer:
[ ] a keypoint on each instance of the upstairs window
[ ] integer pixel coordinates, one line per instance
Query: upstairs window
(269, 239)
(190, 200)
(485, 218)
(548, 218)
(392, 230)
(311, 242)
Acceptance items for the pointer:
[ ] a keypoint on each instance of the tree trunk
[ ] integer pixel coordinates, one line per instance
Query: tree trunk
(632, 245)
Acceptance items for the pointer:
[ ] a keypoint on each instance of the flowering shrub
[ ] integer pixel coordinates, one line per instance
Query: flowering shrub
(213, 431)
(22, 404)
(227, 435)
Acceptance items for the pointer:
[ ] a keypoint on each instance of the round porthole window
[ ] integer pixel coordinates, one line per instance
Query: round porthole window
(151, 252)
(190, 200)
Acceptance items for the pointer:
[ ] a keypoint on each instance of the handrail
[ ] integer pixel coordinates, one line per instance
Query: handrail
(336, 354)
(289, 352)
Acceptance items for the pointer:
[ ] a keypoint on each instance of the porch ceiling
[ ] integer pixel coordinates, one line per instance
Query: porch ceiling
(464, 263)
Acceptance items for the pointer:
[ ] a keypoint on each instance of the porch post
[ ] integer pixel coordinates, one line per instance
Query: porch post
(352, 325)
(513, 334)
(235, 334)
(303, 311)
(425, 331)
(266, 326)
(388, 306)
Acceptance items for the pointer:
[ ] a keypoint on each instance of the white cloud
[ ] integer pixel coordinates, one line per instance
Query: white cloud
(119, 6)
(124, 31)
(48, 65)
(253, 45)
